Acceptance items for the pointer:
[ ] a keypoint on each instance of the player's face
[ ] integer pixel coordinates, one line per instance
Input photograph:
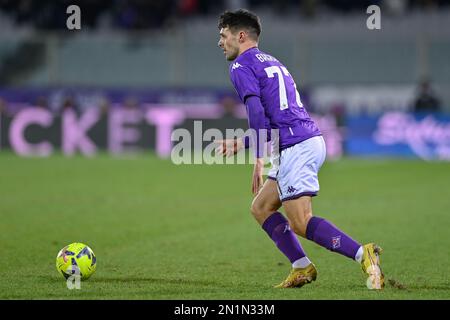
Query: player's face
(229, 43)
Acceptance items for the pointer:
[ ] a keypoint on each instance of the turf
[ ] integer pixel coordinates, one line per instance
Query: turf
(162, 231)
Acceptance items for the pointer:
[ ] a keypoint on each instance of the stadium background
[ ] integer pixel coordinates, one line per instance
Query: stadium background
(138, 69)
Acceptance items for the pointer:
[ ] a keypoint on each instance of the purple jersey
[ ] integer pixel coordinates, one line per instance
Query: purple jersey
(255, 73)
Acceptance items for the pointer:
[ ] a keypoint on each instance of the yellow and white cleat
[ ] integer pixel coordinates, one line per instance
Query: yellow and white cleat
(371, 265)
(299, 277)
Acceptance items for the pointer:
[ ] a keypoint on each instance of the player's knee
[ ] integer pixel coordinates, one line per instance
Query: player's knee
(256, 209)
(306, 217)
(297, 228)
(261, 210)
(300, 224)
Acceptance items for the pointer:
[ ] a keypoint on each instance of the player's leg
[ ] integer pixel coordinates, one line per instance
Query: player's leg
(298, 180)
(266, 202)
(327, 235)
(264, 210)
(319, 230)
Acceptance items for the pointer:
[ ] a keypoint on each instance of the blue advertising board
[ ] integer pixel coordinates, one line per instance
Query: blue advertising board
(399, 134)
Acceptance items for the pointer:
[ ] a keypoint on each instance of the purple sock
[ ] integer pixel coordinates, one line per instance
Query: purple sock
(277, 227)
(327, 235)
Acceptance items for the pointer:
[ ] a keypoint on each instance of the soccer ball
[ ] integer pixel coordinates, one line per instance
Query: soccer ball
(76, 259)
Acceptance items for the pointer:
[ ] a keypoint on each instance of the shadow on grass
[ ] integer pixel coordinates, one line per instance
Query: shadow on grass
(150, 280)
(430, 287)
(176, 281)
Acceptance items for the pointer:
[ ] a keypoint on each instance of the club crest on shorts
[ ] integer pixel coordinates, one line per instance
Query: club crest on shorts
(336, 242)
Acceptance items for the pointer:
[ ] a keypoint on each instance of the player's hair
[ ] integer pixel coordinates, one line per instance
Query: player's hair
(241, 19)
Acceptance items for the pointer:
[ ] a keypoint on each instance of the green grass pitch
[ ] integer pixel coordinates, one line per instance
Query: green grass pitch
(162, 231)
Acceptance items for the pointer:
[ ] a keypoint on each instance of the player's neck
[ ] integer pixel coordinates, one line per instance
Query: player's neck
(247, 47)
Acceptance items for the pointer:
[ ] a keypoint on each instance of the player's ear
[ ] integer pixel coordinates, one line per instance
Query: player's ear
(241, 36)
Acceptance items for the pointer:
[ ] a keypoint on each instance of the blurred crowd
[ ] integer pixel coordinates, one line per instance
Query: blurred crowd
(150, 14)
(425, 100)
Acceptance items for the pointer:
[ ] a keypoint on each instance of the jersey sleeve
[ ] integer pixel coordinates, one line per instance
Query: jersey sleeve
(246, 138)
(244, 81)
(257, 122)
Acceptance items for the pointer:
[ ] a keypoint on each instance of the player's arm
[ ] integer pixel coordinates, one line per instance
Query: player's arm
(258, 137)
(246, 139)
(246, 85)
(257, 122)
(229, 147)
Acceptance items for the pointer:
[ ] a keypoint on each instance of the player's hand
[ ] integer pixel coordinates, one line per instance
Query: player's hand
(229, 147)
(258, 180)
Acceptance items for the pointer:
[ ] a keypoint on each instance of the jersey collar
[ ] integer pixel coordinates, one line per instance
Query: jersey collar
(246, 51)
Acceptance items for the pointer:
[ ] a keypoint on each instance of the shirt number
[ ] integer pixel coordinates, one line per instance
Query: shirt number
(271, 71)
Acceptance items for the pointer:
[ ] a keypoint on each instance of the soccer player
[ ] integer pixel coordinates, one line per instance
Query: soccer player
(271, 98)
